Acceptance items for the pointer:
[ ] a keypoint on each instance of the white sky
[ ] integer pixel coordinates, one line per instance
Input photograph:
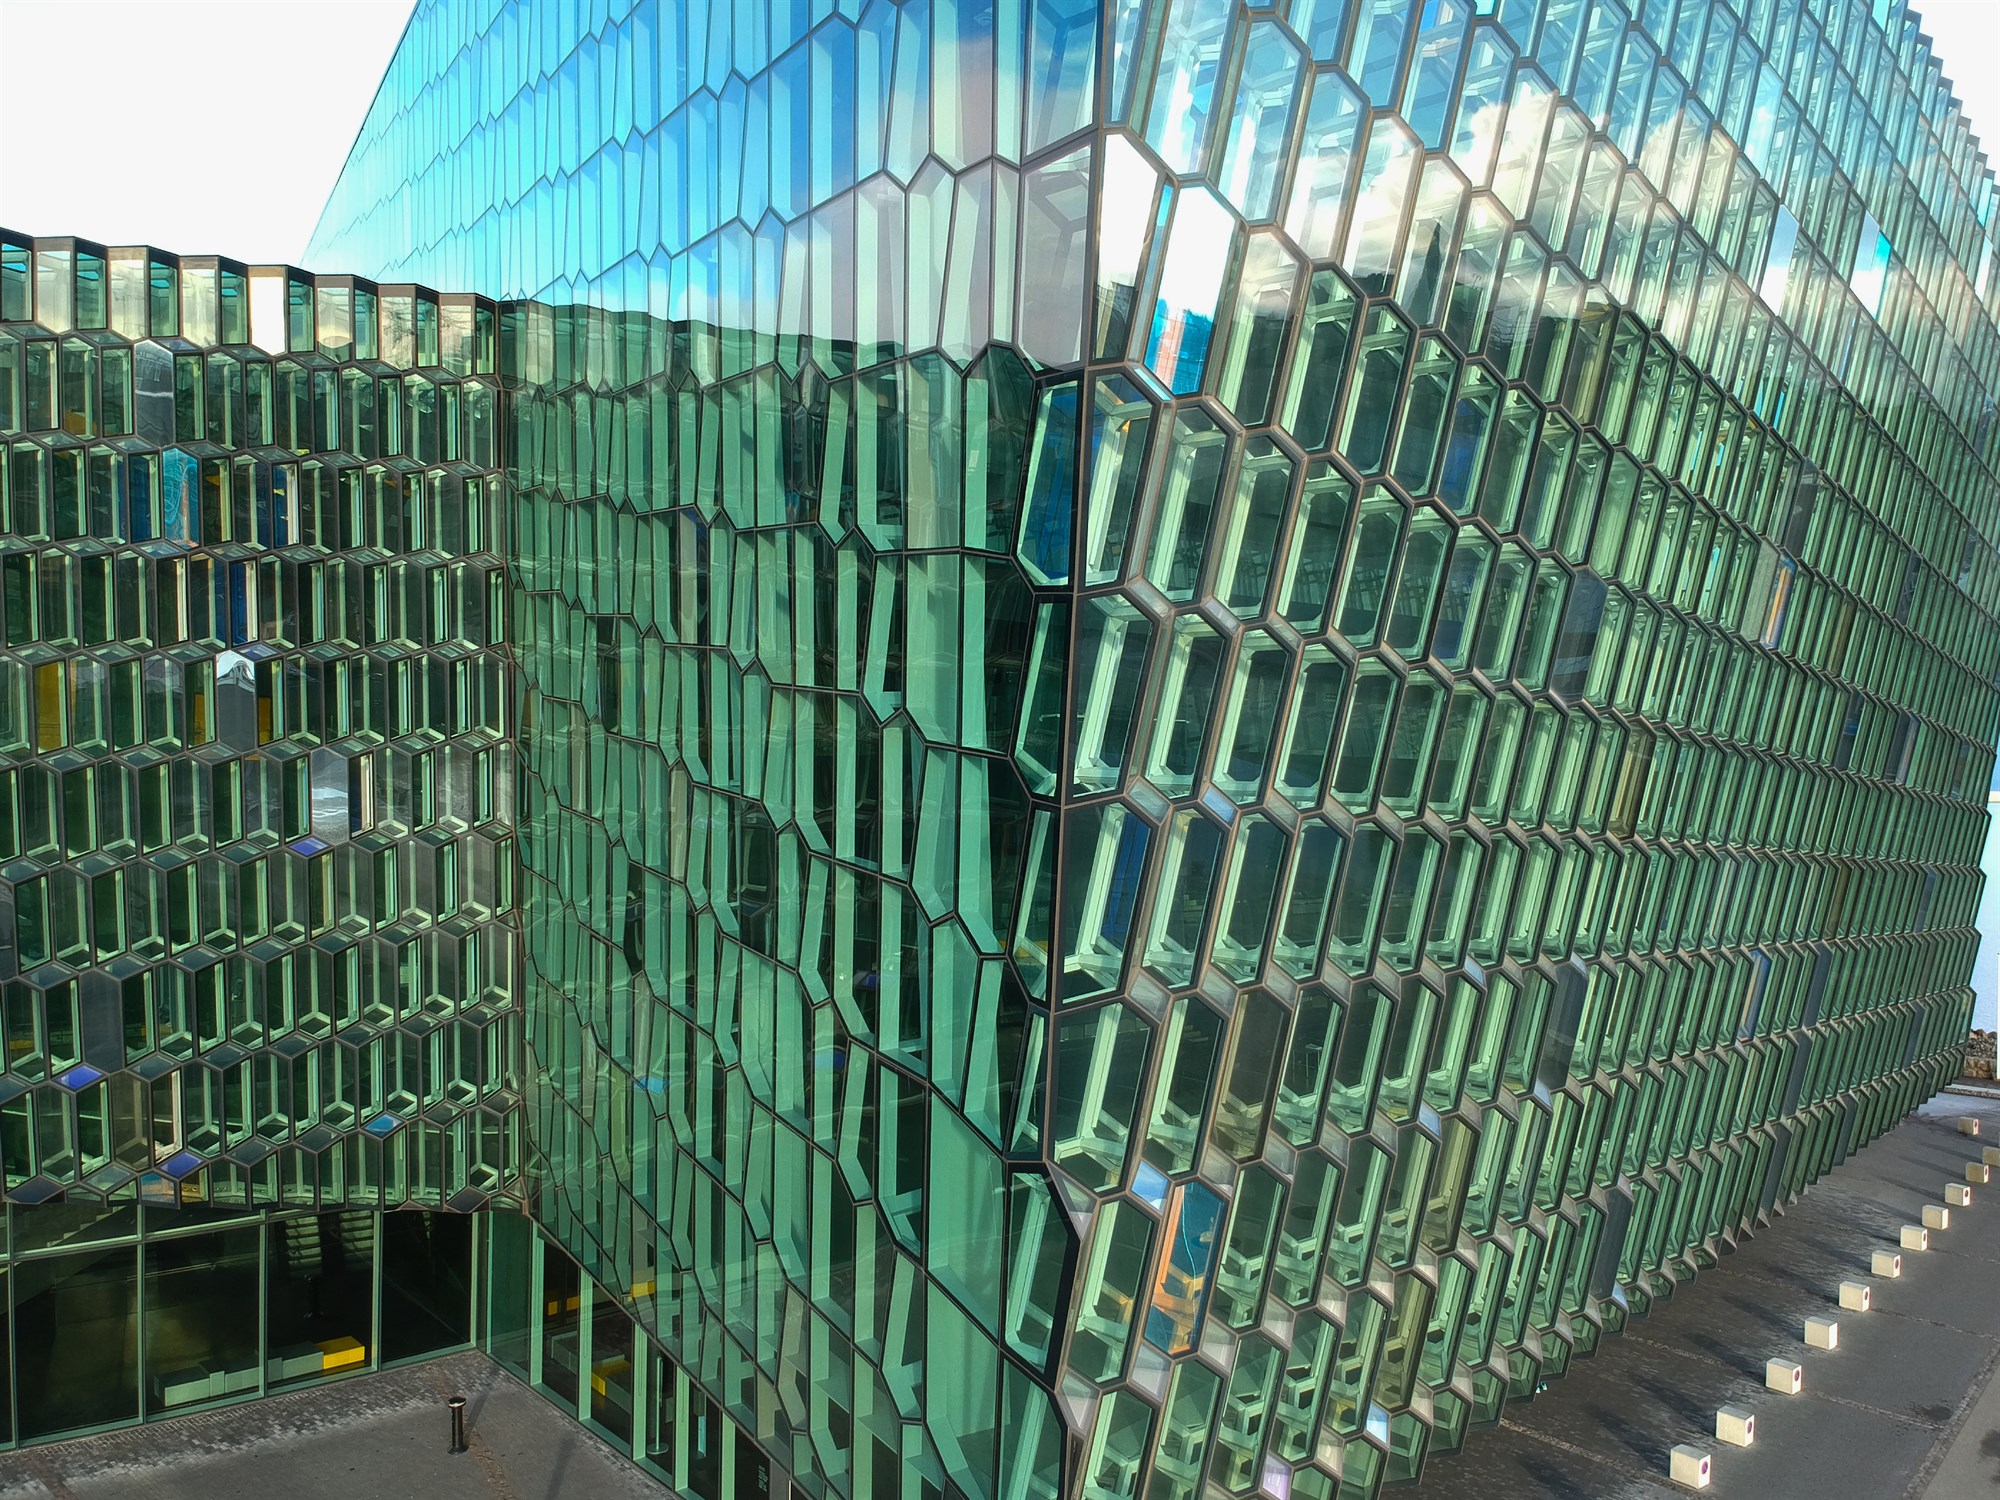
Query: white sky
(1965, 34)
(207, 127)
(118, 116)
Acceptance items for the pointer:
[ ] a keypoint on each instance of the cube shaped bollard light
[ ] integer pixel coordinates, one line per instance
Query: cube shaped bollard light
(1736, 1426)
(1688, 1465)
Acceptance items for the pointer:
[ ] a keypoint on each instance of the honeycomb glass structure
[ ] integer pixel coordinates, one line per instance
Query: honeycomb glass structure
(1217, 725)
(256, 803)
(1261, 710)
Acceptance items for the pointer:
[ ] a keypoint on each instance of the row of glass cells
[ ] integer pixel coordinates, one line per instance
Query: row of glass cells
(254, 832)
(548, 1346)
(279, 1118)
(140, 293)
(1272, 1072)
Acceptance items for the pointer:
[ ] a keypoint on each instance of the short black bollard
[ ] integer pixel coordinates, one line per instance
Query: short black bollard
(457, 1405)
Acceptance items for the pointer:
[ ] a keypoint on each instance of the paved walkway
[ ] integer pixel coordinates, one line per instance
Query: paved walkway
(376, 1437)
(1905, 1408)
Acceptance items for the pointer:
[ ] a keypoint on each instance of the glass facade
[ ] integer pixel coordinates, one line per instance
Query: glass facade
(1194, 732)
(256, 800)
(575, 1341)
(123, 1313)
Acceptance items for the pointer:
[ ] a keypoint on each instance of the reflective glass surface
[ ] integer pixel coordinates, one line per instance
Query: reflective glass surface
(1227, 721)
(138, 1315)
(256, 739)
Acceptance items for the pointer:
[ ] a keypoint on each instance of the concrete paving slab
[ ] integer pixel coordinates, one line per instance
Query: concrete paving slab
(1970, 1468)
(1873, 1452)
(375, 1437)
(1516, 1465)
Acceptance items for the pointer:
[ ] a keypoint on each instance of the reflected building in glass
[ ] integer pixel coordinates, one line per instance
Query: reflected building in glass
(1128, 750)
